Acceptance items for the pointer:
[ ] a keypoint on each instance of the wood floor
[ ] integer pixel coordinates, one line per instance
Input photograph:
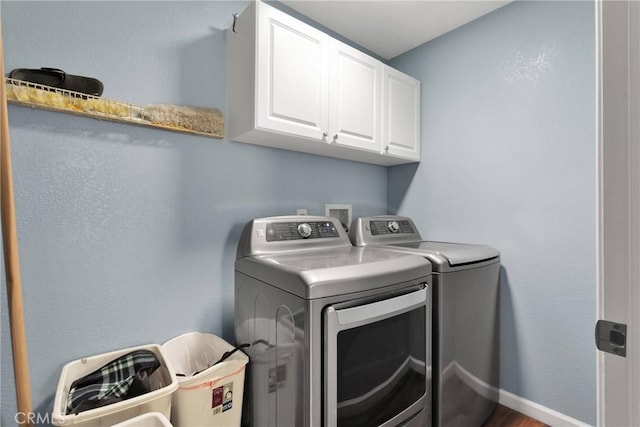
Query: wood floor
(505, 417)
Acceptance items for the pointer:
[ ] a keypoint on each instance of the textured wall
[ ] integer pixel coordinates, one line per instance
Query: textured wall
(508, 159)
(127, 235)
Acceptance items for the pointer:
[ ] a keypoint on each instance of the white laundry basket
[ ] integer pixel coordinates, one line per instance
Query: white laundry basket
(207, 395)
(153, 401)
(150, 419)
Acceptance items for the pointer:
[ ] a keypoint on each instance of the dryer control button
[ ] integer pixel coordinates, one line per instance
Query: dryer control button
(393, 226)
(304, 229)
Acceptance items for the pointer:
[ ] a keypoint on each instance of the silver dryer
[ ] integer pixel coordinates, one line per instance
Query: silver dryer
(338, 335)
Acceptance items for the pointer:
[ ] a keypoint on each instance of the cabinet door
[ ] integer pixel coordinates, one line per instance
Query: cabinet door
(401, 116)
(355, 85)
(291, 75)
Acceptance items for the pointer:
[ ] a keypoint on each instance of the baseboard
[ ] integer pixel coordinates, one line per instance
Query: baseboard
(537, 411)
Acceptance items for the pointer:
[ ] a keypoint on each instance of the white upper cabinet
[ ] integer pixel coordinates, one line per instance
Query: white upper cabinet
(401, 115)
(355, 85)
(292, 86)
(291, 78)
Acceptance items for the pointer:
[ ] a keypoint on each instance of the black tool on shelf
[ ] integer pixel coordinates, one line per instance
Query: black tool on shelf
(57, 78)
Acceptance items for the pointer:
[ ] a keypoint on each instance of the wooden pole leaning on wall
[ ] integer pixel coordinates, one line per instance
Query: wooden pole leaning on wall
(12, 263)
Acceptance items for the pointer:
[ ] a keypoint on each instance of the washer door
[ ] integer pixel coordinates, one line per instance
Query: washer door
(376, 360)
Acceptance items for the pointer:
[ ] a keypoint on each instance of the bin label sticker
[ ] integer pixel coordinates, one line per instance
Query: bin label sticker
(222, 398)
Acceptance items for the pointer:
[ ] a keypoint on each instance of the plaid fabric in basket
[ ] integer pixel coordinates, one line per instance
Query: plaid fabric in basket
(120, 379)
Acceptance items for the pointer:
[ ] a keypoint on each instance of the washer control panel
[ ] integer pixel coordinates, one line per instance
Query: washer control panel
(378, 227)
(278, 231)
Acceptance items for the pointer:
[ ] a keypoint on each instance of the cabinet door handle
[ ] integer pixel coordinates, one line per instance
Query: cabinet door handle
(335, 137)
(324, 136)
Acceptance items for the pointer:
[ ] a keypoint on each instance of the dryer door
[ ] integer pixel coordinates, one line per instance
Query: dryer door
(377, 360)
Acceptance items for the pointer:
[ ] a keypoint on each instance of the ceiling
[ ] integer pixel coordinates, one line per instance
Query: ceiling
(391, 27)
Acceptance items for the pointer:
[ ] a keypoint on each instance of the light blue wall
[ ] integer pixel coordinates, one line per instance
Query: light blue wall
(127, 235)
(508, 159)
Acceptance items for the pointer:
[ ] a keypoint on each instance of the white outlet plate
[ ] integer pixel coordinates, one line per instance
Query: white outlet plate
(301, 212)
(342, 212)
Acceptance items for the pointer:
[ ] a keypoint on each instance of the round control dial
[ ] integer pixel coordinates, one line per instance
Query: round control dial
(304, 229)
(393, 226)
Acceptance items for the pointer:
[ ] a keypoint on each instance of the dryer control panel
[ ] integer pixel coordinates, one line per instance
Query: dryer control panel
(278, 231)
(290, 233)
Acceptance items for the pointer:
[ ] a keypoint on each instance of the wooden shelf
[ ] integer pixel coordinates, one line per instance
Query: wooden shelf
(207, 122)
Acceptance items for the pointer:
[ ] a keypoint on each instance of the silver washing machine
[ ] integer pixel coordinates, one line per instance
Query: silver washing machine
(465, 317)
(339, 335)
